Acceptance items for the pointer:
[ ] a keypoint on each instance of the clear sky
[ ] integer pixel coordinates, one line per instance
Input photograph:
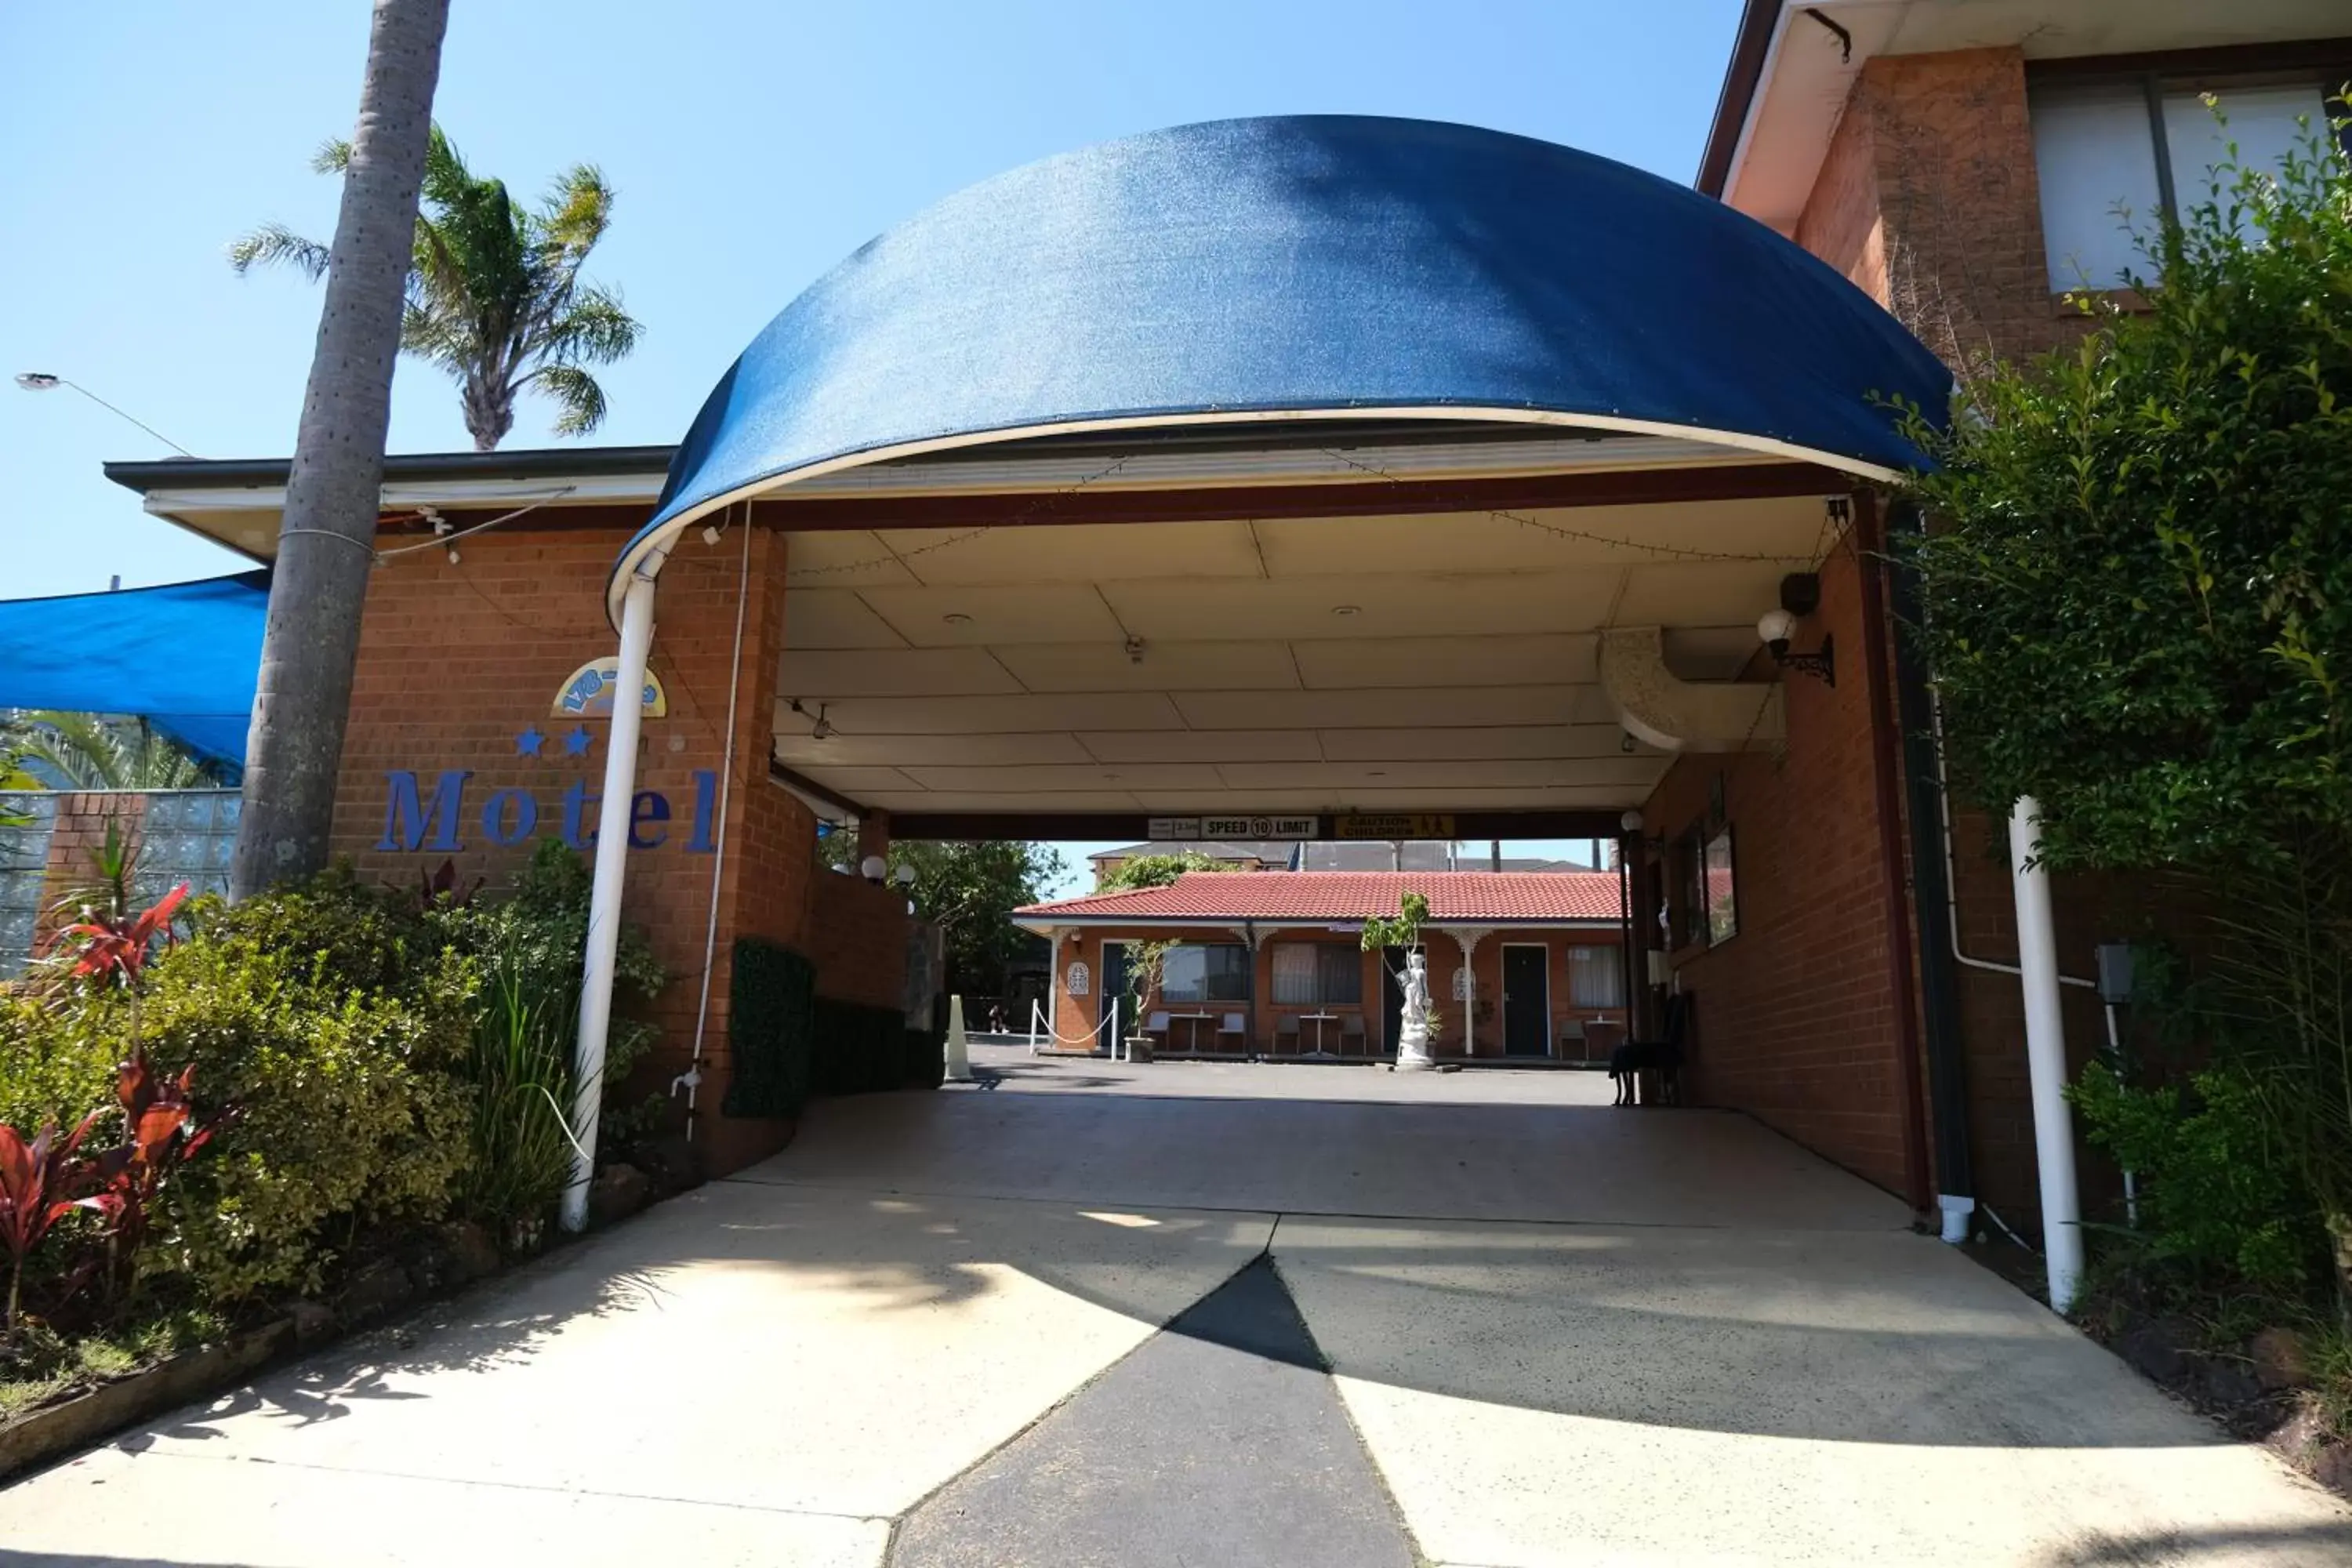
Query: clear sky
(752, 146)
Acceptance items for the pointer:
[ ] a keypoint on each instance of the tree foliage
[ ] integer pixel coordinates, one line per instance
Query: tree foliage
(970, 891)
(2138, 589)
(1160, 871)
(94, 752)
(494, 295)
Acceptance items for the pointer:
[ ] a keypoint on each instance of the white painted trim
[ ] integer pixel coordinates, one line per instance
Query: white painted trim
(1754, 108)
(656, 542)
(1227, 922)
(1503, 983)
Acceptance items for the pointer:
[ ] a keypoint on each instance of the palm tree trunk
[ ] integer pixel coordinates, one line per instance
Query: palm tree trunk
(326, 542)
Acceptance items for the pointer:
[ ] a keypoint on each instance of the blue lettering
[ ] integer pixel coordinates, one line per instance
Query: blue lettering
(705, 802)
(648, 806)
(494, 815)
(576, 801)
(405, 819)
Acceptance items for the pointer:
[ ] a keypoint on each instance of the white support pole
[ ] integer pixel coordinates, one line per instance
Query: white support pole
(604, 892)
(2045, 1056)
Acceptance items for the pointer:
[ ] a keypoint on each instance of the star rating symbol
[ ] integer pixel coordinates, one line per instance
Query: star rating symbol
(577, 743)
(527, 743)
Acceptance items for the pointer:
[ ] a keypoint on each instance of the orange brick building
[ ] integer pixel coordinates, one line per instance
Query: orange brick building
(1270, 964)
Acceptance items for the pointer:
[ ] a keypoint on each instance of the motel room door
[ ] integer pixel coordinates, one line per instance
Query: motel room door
(1526, 999)
(1113, 992)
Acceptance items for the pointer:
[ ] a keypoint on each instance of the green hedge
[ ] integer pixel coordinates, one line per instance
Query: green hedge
(770, 1028)
(790, 1044)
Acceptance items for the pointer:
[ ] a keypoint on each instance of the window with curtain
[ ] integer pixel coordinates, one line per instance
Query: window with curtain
(1595, 977)
(2109, 151)
(1205, 972)
(1317, 973)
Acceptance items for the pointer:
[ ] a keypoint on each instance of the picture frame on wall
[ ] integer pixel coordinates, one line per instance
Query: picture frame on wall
(1720, 889)
(1690, 884)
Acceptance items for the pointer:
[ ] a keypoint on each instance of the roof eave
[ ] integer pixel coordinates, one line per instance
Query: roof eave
(1750, 47)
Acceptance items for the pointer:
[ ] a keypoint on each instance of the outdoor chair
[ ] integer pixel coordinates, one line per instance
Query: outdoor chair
(1156, 1028)
(1351, 1034)
(1285, 1037)
(1234, 1028)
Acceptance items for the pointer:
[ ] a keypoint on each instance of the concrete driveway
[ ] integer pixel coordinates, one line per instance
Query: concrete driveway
(1097, 1314)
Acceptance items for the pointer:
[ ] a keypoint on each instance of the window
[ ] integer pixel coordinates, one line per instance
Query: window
(1722, 893)
(1197, 972)
(1317, 973)
(1596, 977)
(2119, 151)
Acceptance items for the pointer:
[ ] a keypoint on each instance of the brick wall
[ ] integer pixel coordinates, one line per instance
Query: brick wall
(457, 661)
(857, 939)
(1794, 1020)
(80, 828)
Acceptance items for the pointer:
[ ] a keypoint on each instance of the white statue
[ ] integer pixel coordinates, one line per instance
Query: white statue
(1412, 1031)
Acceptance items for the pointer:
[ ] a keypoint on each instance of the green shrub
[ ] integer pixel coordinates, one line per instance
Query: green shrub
(859, 1049)
(327, 1018)
(522, 1134)
(2219, 1201)
(771, 1030)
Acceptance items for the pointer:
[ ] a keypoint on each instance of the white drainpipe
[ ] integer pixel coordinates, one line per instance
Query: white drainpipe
(604, 894)
(2045, 1056)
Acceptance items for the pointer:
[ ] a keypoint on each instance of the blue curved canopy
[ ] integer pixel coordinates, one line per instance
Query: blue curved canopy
(186, 657)
(1313, 263)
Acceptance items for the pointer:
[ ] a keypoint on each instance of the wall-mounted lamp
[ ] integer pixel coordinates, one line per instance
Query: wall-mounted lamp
(904, 876)
(1800, 594)
(873, 867)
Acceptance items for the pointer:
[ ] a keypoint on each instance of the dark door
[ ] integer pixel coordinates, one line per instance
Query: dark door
(1526, 1001)
(1113, 992)
(1391, 998)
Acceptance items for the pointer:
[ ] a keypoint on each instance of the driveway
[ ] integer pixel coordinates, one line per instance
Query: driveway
(1178, 1315)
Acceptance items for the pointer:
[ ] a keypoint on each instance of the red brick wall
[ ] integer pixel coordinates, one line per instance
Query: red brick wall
(457, 660)
(1795, 1021)
(81, 829)
(857, 939)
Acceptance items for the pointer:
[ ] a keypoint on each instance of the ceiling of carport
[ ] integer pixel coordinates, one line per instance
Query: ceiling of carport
(1382, 663)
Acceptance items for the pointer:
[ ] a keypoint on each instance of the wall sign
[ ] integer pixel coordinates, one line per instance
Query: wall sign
(1184, 829)
(1081, 980)
(435, 820)
(1402, 825)
(587, 691)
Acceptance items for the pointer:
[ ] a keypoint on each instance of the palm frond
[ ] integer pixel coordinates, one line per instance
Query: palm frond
(596, 330)
(576, 394)
(576, 211)
(334, 156)
(273, 244)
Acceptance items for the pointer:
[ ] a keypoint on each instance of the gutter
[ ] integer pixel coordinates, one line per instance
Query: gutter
(1750, 45)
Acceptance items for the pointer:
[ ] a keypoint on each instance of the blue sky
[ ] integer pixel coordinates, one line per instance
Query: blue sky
(752, 146)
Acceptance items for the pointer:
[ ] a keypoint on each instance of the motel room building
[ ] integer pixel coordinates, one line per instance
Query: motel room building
(1271, 963)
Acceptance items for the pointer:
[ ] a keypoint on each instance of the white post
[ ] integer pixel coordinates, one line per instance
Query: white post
(958, 1048)
(604, 892)
(2045, 1056)
(1036, 1010)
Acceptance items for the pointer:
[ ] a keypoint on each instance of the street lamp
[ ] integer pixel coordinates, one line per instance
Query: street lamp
(43, 381)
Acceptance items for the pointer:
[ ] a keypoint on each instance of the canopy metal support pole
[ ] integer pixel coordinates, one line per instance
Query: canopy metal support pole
(604, 893)
(2045, 1056)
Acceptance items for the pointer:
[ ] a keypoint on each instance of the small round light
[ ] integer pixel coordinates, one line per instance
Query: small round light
(1347, 609)
(904, 876)
(873, 867)
(1774, 626)
(1630, 822)
(956, 618)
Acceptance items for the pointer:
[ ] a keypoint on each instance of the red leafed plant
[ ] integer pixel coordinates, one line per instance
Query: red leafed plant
(38, 1182)
(114, 948)
(159, 1131)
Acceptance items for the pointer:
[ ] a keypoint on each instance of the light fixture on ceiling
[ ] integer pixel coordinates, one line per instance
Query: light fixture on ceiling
(1800, 594)
(822, 727)
(1347, 609)
(956, 618)
(1135, 650)
(1625, 742)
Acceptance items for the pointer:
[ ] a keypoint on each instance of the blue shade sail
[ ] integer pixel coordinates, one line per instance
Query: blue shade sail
(1323, 263)
(185, 656)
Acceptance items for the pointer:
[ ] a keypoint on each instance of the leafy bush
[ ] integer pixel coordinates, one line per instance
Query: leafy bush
(771, 1030)
(2219, 1198)
(859, 1049)
(339, 1032)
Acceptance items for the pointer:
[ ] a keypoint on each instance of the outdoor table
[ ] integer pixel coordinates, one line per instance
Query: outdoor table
(1318, 1020)
(1191, 1034)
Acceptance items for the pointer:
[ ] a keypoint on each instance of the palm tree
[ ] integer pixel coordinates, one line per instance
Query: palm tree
(495, 295)
(326, 540)
(84, 750)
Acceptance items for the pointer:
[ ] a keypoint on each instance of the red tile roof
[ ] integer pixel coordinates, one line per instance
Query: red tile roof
(1453, 896)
